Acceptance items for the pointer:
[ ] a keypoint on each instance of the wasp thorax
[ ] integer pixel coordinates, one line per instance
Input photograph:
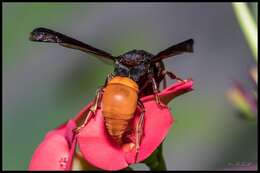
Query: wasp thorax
(118, 105)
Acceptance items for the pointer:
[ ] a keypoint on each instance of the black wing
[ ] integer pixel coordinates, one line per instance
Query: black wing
(186, 46)
(47, 35)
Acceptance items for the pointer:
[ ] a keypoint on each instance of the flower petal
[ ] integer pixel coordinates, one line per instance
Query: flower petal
(98, 148)
(173, 91)
(54, 151)
(157, 123)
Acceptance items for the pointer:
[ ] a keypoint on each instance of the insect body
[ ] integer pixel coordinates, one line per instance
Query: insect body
(136, 74)
(119, 103)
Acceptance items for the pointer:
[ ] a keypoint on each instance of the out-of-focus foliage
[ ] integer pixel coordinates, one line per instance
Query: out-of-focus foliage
(248, 24)
(243, 99)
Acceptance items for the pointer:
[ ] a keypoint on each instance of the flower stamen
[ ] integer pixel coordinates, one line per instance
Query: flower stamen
(63, 162)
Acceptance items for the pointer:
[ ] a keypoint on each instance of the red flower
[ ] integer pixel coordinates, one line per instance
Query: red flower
(56, 150)
(96, 145)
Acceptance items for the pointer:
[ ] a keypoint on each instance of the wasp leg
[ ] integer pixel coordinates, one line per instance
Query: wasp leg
(77, 129)
(108, 78)
(139, 129)
(156, 92)
(173, 76)
(92, 110)
(96, 105)
(164, 83)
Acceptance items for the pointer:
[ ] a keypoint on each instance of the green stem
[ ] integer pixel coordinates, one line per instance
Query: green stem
(128, 169)
(247, 24)
(156, 161)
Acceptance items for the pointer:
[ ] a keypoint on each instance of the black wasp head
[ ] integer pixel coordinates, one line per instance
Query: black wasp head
(133, 64)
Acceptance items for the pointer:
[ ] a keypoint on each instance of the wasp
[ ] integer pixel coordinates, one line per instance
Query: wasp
(137, 73)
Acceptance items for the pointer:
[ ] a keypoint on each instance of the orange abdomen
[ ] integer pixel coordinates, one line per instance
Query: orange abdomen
(118, 105)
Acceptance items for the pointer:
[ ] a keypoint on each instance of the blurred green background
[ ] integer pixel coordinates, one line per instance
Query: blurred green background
(45, 84)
